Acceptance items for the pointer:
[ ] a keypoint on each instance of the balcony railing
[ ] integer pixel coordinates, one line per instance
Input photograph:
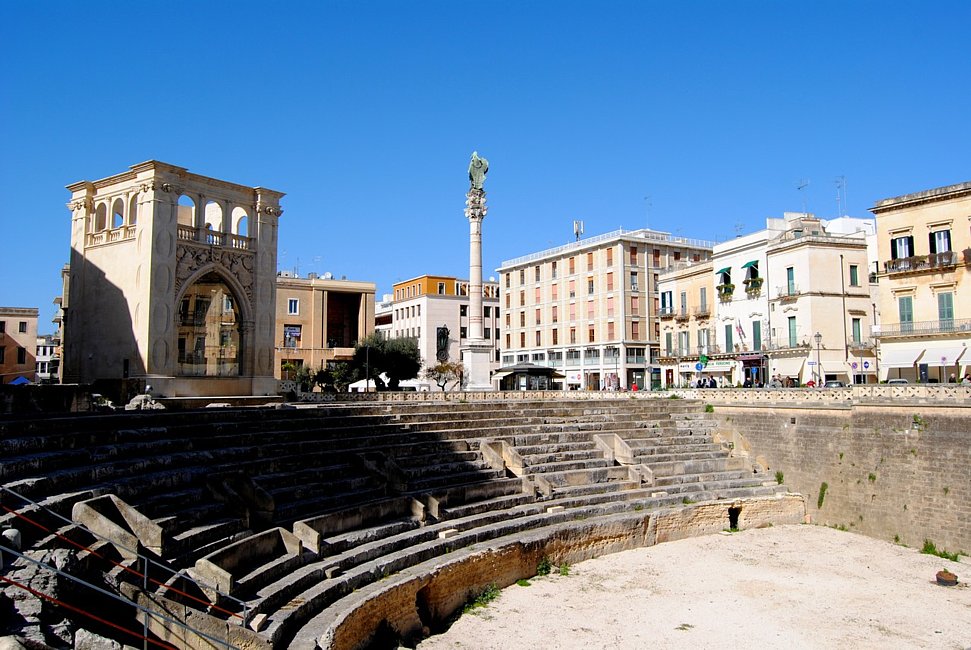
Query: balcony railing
(862, 344)
(702, 312)
(682, 316)
(919, 263)
(725, 291)
(753, 285)
(691, 351)
(109, 236)
(215, 238)
(920, 328)
(788, 292)
(666, 313)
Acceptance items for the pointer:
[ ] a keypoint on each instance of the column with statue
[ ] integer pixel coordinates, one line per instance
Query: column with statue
(477, 351)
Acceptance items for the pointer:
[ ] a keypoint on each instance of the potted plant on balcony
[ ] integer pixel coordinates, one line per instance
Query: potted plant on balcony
(753, 285)
(725, 290)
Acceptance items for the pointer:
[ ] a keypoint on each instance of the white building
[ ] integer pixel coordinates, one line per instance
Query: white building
(434, 310)
(48, 360)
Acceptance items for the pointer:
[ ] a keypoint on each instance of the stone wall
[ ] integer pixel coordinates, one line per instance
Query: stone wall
(897, 473)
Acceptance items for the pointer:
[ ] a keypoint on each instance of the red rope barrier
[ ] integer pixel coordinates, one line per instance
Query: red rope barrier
(80, 611)
(121, 566)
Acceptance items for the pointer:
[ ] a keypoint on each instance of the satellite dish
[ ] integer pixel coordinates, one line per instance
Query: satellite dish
(492, 278)
(328, 276)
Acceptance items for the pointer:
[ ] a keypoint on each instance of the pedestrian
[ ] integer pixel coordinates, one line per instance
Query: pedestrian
(967, 380)
(952, 379)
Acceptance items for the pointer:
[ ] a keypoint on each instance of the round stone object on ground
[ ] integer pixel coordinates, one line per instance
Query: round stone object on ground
(787, 586)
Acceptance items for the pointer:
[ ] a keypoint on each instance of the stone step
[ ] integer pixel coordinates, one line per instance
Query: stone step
(568, 465)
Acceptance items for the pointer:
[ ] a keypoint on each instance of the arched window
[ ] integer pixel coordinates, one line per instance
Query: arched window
(187, 211)
(117, 213)
(240, 222)
(209, 320)
(133, 210)
(214, 216)
(101, 217)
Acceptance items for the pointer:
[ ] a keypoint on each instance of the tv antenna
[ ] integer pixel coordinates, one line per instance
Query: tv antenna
(647, 212)
(578, 228)
(801, 186)
(840, 195)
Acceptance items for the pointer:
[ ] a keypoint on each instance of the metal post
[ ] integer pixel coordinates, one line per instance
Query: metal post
(367, 368)
(819, 374)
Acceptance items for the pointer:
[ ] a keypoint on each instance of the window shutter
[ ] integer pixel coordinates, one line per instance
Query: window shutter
(932, 243)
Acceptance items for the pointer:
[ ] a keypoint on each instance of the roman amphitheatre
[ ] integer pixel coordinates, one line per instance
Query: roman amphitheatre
(373, 520)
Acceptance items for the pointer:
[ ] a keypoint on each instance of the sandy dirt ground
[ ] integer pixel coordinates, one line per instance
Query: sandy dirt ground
(780, 587)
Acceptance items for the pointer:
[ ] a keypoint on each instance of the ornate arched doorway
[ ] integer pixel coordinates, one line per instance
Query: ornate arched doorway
(210, 342)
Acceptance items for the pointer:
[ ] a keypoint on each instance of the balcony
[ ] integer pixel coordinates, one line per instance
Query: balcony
(682, 316)
(702, 312)
(753, 286)
(788, 292)
(696, 351)
(923, 328)
(666, 313)
(859, 345)
(924, 263)
(725, 291)
(216, 238)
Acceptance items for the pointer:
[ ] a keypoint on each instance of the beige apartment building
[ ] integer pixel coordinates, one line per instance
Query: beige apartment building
(757, 308)
(924, 243)
(171, 279)
(320, 319)
(18, 342)
(434, 310)
(589, 309)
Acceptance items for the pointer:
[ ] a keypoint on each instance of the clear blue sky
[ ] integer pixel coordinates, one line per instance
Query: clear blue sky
(365, 114)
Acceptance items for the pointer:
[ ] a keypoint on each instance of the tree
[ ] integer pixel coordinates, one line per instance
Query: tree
(444, 373)
(398, 359)
(340, 375)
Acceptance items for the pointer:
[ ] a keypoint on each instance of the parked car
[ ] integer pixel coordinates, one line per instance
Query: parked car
(899, 380)
(832, 383)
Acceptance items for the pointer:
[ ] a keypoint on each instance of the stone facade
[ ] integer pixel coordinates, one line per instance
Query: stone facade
(18, 343)
(320, 319)
(588, 309)
(172, 279)
(895, 473)
(924, 244)
(766, 295)
(422, 305)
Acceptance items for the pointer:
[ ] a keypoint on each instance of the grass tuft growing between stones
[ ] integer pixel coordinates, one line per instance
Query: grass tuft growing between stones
(779, 477)
(930, 549)
(544, 567)
(822, 494)
(482, 599)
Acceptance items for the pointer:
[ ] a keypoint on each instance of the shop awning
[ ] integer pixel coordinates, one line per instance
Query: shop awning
(752, 263)
(500, 375)
(943, 353)
(899, 357)
(727, 269)
(790, 367)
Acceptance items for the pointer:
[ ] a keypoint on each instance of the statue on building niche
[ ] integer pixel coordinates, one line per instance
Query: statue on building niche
(478, 168)
(441, 340)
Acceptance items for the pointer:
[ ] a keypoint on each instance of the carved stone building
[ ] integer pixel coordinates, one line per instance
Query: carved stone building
(172, 278)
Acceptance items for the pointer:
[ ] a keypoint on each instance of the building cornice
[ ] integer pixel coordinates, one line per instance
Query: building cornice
(946, 193)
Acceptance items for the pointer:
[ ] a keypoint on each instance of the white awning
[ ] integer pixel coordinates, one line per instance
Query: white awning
(500, 375)
(943, 353)
(787, 367)
(899, 357)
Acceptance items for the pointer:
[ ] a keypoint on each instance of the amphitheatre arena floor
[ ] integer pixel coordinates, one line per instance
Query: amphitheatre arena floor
(790, 587)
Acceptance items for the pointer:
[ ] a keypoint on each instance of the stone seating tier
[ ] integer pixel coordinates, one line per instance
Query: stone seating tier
(312, 461)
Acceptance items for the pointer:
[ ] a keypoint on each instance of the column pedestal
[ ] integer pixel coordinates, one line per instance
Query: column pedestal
(476, 361)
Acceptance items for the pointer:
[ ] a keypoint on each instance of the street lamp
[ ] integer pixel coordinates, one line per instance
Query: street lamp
(818, 337)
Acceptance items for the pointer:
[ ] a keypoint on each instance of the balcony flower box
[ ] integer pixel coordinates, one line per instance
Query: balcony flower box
(753, 285)
(725, 291)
